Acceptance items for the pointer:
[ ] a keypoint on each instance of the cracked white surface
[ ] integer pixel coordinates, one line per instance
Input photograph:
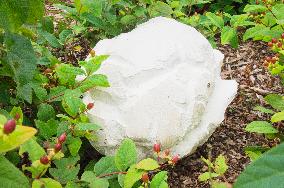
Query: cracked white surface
(165, 87)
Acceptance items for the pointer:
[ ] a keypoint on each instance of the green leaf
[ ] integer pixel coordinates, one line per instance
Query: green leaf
(72, 103)
(50, 38)
(45, 112)
(160, 8)
(276, 101)
(126, 155)
(105, 165)
(257, 33)
(206, 176)
(22, 61)
(17, 110)
(216, 20)
(47, 24)
(74, 145)
(240, 21)
(265, 172)
(93, 64)
(278, 10)
(160, 180)
(20, 135)
(67, 73)
(277, 117)
(229, 36)
(263, 110)
(87, 127)
(128, 20)
(216, 184)
(56, 93)
(254, 152)
(65, 35)
(147, 164)
(93, 81)
(14, 13)
(40, 92)
(46, 183)
(220, 165)
(95, 182)
(255, 8)
(261, 127)
(133, 175)
(34, 150)
(66, 169)
(10, 176)
(47, 129)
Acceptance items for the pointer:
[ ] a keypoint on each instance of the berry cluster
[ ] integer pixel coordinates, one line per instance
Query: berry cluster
(276, 45)
(165, 155)
(57, 147)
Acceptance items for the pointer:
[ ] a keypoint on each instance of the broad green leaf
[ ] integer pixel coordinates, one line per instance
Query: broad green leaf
(39, 91)
(34, 150)
(263, 110)
(255, 8)
(229, 36)
(265, 172)
(87, 127)
(93, 64)
(45, 112)
(17, 110)
(240, 21)
(56, 93)
(95, 182)
(160, 180)
(47, 129)
(65, 35)
(20, 135)
(206, 176)
(220, 165)
(277, 117)
(47, 24)
(216, 20)
(72, 103)
(133, 175)
(276, 101)
(50, 38)
(128, 20)
(46, 183)
(254, 152)
(74, 145)
(278, 10)
(3, 120)
(67, 73)
(92, 6)
(22, 60)
(126, 155)
(66, 169)
(10, 176)
(94, 81)
(105, 165)
(14, 13)
(216, 184)
(72, 184)
(261, 127)
(257, 32)
(147, 164)
(160, 8)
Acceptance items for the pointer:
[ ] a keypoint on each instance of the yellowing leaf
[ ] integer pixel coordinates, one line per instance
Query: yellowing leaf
(148, 164)
(16, 138)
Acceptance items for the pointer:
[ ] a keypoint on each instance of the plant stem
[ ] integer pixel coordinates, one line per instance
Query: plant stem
(110, 174)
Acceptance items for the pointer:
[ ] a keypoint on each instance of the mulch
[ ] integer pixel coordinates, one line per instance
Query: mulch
(245, 65)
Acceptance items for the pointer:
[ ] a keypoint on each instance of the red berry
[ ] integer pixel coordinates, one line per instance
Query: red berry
(44, 160)
(157, 148)
(268, 59)
(90, 106)
(62, 138)
(279, 44)
(145, 178)
(17, 116)
(274, 40)
(57, 147)
(270, 44)
(282, 36)
(175, 159)
(47, 71)
(9, 126)
(167, 152)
